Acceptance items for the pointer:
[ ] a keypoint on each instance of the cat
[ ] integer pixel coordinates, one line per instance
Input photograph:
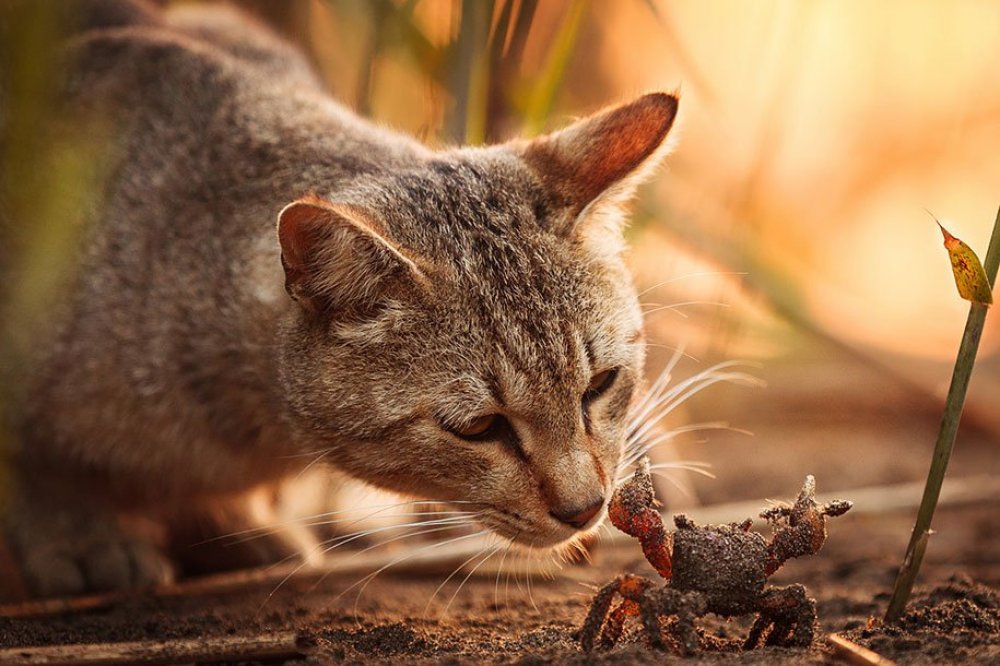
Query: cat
(267, 275)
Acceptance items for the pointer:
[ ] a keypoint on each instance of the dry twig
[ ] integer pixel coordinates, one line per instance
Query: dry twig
(283, 645)
(852, 653)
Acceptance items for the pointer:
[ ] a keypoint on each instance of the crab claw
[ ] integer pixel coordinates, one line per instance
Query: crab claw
(805, 531)
(836, 508)
(631, 510)
(808, 493)
(631, 499)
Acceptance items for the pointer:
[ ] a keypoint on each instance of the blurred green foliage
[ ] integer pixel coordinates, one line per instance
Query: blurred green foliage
(50, 170)
(481, 65)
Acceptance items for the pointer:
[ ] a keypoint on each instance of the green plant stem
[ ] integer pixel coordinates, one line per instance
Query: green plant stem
(946, 438)
(550, 80)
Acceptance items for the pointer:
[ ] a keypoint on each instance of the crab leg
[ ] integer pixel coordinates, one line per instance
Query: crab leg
(631, 588)
(790, 614)
(616, 622)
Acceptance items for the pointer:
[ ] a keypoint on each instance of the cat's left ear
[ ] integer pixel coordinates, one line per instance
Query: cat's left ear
(337, 257)
(603, 158)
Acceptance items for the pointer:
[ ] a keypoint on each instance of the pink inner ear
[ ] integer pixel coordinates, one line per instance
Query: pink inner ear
(629, 135)
(589, 157)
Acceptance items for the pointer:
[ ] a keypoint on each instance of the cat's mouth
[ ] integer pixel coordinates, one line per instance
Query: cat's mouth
(536, 532)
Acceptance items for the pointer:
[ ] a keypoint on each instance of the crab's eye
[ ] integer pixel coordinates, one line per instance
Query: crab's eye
(486, 427)
(599, 384)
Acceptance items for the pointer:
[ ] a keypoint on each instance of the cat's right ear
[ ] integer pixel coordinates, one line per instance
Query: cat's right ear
(602, 158)
(337, 257)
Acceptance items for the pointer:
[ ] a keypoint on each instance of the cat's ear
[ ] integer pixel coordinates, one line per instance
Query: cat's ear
(603, 157)
(337, 256)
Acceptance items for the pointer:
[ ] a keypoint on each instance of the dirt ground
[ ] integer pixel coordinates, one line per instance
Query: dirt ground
(882, 438)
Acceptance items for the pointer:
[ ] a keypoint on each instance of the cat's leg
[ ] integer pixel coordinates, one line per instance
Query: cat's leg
(68, 542)
(239, 531)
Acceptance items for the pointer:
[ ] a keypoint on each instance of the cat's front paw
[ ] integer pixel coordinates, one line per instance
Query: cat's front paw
(116, 564)
(71, 551)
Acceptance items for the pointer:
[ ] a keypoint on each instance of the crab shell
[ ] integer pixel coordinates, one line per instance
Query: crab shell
(725, 563)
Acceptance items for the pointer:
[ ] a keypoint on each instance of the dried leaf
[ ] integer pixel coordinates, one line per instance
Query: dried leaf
(970, 277)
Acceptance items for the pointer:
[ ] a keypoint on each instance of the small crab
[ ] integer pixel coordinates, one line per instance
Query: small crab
(721, 569)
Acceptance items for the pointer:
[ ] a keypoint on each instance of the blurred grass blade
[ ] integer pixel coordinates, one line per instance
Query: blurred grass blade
(548, 84)
(51, 168)
(471, 73)
(946, 436)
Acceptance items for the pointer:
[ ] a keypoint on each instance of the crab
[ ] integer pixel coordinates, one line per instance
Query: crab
(720, 569)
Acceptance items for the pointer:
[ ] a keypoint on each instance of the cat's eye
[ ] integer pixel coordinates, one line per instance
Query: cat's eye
(483, 428)
(599, 384)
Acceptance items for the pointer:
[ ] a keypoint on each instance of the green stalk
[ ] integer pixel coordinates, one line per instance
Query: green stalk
(548, 83)
(946, 438)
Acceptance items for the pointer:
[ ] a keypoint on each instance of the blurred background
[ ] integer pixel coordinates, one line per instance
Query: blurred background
(787, 228)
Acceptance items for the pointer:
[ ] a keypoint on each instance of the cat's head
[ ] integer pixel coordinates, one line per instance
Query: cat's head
(466, 329)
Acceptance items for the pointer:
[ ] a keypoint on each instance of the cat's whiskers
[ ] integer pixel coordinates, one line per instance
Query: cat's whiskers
(659, 345)
(656, 392)
(686, 276)
(314, 461)
(669, 478)
(503, 558)
(366, 580)
(452, 575)
(642, 447)
(303, 454)
(660, 389)
(664, 404)
(527, 579)
(638, 448)
(491, 552)
(694, 466)
(315, 520)
(661, 400)
(277, 528)
(676, 307)
(415, 530)
(343, 540)
(659, 384)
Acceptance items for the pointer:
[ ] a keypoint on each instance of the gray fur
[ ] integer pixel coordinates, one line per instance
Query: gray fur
(434, 287)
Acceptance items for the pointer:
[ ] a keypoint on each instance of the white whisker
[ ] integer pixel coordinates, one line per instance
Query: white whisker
(675, 307)
(322, 454)
(527, 578)
(687, 389)
(637, 449)
(634, 446)
(370, 577)
(496, 587)
(674, 482)
(315, 519)
(493, 551)
(687, 467)
(670, 348)
(354, 536)
(689, 275)
(659, 384)
(445, 581)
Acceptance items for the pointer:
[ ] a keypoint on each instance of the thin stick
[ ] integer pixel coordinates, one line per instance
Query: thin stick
(852, 653)
(283, 645)
(946, 436)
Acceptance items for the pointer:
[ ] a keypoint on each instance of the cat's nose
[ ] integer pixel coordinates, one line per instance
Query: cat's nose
(575, 517)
